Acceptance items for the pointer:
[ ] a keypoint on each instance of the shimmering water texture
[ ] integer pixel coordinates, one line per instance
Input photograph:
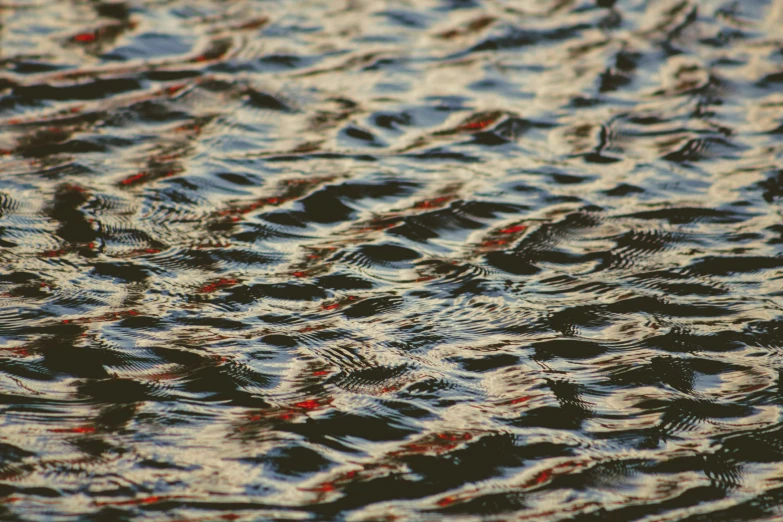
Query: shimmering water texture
(401, 260)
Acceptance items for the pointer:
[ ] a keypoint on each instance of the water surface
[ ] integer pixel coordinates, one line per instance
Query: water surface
(391, 260)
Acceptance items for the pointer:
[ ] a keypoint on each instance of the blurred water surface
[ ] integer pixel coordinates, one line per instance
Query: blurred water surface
(391, 260)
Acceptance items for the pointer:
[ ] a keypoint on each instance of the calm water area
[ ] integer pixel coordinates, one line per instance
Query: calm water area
(381, 260)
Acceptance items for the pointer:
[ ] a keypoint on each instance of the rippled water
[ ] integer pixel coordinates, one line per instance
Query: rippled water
(391, 260)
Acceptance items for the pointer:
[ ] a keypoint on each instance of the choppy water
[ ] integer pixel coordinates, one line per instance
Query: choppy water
(391, 260)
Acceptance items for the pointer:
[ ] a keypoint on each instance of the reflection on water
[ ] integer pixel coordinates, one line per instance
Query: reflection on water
(373, 259)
